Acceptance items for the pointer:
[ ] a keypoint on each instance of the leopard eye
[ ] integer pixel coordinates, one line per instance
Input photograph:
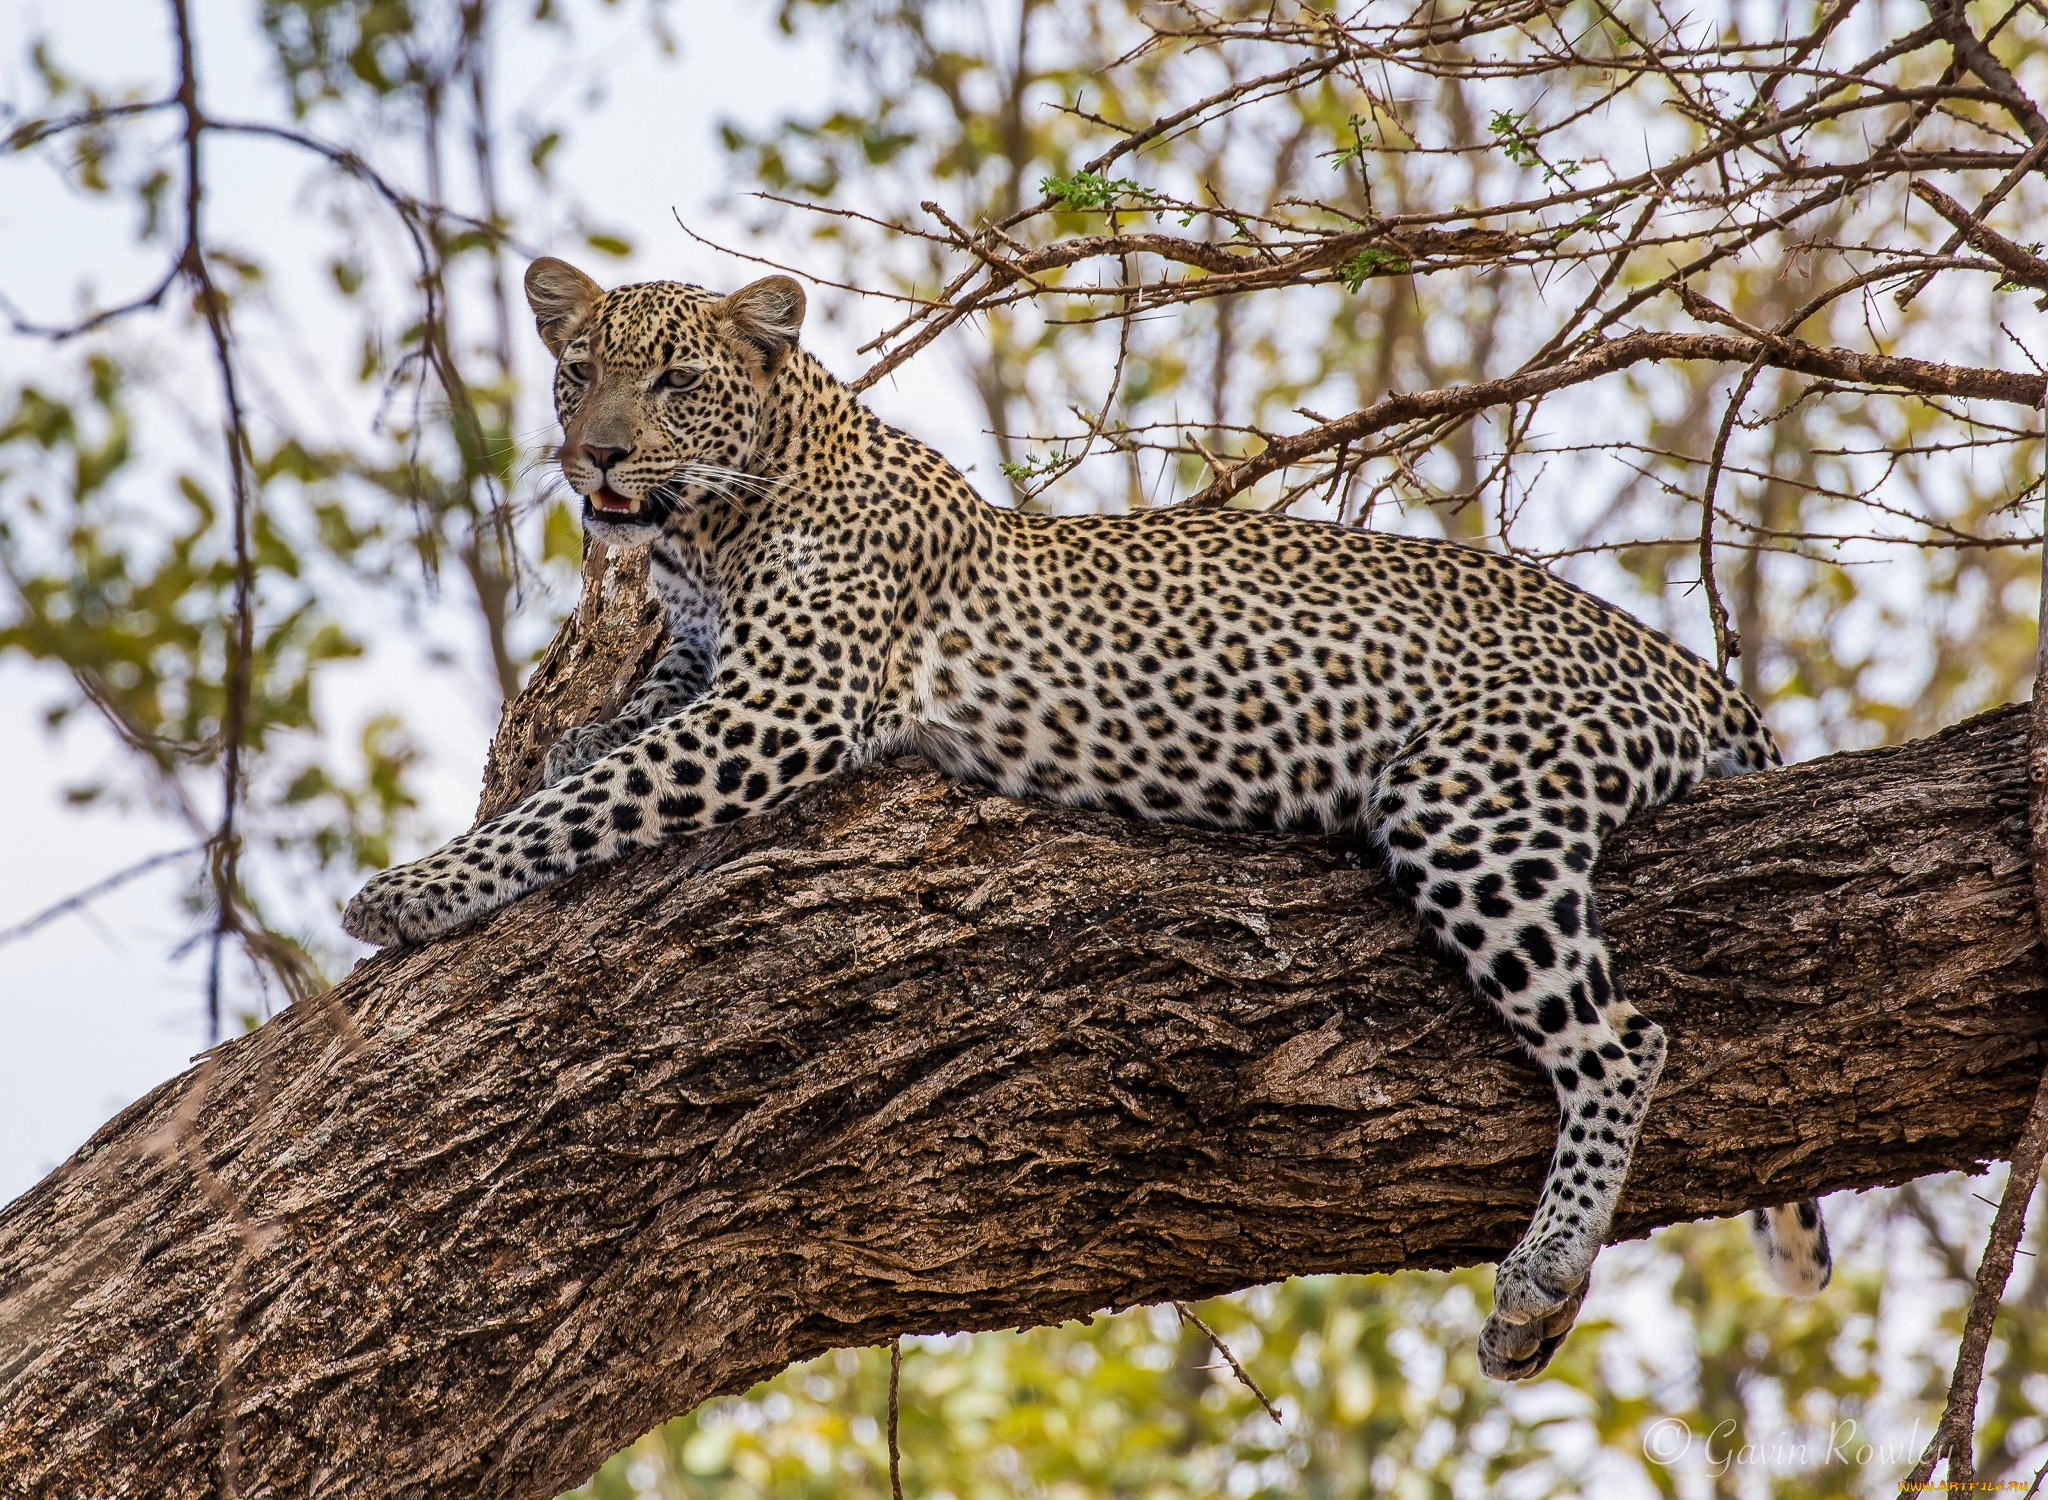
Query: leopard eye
(678, 379)
(577, 370)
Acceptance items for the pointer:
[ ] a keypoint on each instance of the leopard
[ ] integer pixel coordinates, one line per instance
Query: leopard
(838, 592)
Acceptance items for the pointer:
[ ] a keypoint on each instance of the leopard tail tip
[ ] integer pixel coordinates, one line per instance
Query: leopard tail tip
(1792, 1242)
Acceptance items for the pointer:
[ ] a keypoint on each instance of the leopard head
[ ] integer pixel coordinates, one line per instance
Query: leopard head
(660, 387)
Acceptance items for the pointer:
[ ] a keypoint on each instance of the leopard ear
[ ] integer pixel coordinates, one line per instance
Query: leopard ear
(765, 317)
(561, 298)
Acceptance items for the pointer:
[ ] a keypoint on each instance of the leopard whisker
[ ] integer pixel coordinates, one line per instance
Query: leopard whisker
(715, 481)
(760, 483)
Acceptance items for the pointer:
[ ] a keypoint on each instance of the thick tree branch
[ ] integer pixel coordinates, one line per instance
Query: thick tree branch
(906, 1057)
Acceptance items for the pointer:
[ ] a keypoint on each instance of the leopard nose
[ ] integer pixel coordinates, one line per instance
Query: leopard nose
(604, 458)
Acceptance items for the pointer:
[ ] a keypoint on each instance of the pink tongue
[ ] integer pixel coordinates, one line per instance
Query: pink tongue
(609, 499)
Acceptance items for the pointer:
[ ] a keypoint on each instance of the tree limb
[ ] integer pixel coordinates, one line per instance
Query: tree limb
(2020, 263)
(1896, 372)
(906, 1057)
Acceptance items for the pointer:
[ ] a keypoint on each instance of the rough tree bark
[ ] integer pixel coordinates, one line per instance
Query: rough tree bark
(908, 1057)
(589, 670)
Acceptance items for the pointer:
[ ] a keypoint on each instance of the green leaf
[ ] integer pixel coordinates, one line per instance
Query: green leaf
(1091, 192)
(1367, 263)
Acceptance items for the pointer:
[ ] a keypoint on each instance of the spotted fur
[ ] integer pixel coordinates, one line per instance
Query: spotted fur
(837, 591)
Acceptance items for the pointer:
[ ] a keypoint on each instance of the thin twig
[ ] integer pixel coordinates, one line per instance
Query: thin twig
(895, 1388)
(225, 844)
(2037, 729)
(1190, 1315)
(1727, 644)
(2035, 1488)
(93, 892)
(58, 333)
(1954, 1437)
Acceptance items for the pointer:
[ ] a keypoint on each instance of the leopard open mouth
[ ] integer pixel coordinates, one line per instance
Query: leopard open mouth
(608, 501)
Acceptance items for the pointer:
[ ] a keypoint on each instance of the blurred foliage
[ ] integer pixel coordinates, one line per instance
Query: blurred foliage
(428, 496)
(135, 601)
(121, 570)
(1689, 1376)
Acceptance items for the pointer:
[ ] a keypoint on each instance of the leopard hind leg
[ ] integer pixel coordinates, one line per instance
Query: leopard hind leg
(1491, 822)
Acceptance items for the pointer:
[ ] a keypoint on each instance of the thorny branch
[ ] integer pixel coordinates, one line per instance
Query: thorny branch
(1871, 371)
(1954, 1441)
(1189, 1315)
(1804, 149)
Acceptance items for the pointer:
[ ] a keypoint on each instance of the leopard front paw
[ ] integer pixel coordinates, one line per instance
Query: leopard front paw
(403, 905)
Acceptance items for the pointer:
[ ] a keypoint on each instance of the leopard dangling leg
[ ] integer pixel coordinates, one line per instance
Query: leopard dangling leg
(1497, 859)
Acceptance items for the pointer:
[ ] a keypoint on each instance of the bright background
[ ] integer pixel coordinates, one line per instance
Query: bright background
(1374, 1375)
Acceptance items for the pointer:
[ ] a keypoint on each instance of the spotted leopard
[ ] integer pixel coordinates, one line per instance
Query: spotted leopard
(837, 591)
